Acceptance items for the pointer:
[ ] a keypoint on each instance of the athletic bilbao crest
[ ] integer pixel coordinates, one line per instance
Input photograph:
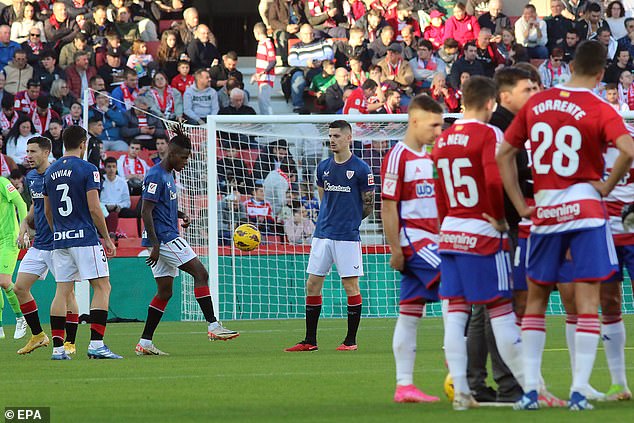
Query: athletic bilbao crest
(349, 173)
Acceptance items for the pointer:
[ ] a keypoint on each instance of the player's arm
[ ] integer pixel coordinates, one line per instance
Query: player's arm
(94, 206)
(147, 207)
(24, 228)
(368, 203)
(389, 216)
(48, 213)
(507, 164)
(622, 165)
(320, 192)
(494, 188)
(185, 218)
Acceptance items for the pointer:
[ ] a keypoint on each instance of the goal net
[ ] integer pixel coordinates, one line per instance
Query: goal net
(261, 170)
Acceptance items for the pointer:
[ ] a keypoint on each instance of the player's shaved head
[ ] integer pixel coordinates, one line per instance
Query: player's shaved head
(73, 136)
(590, 58)
(342, 125)
(477, 92)
(42, 142)
(424, 103)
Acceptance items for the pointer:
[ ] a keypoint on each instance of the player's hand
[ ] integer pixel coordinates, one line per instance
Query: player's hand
(154, 256)
(397, 260)
(23, 241)
(186, 221)
(111, 249)
(498, 225)
(601, 187)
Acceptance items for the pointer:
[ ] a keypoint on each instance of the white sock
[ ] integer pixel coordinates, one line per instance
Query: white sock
(404, 347)
(509, 342)
(456, 350)
(95, 344)
(613, 335)
(533, 341)
(586, 341)
(145, 342)
(212, 326)
(571, 328)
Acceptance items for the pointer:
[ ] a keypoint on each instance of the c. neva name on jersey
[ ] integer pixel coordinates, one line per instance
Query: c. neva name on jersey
(454, 139)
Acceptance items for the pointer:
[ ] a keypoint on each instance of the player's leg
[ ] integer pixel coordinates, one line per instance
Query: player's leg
(29, 309)
(72, 322)
(58, 319)
(349, 261)
(314, 285)
(155, 312)
(2, 335)
(98, 318)
(477, 352)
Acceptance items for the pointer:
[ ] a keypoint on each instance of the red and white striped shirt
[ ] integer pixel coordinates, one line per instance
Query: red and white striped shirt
(408, 177)
(263, 58)
(258, 209)
(622, 194)
(317, 8)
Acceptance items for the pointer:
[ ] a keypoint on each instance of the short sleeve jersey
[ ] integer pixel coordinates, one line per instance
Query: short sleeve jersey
(9, 228)
(43, 235)
(468, 185)
(160, 188)
(341, 208)
(66, 183)
(356, 101)
(569, 130)
(407, 176)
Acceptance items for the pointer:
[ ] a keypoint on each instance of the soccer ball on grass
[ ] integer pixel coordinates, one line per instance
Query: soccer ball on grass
(247, 237)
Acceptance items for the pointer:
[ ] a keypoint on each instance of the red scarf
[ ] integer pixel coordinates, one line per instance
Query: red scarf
(627, 96)
(358, 79)
(54, 22)
(36, 47)
(138, 166)
(128, 97)
(69, 121)
(40, 127)
(394, 69)
(166, 104)
(4, 166)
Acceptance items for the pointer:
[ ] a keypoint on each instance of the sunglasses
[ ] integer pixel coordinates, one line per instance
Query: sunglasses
(35, 35)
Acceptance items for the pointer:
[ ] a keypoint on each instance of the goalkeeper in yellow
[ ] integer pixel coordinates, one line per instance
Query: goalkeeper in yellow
(10, 202)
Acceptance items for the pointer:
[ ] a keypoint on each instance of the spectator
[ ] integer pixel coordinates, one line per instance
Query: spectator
(357, 10)
(127, 29)
(60, 97)
(378, 48)
(448, 54)
(615, 17)
(188, 26)
(132, 168)
(232, 171)
(277, 183)
(21, 28)
(409, 44)
(12, 12)
(357, 74)
(376, 74)
(141, 62)
(570, 45)
(291, 203)
(68, 52)
(621, 63)
(7, 164)
(461, 27)
(125, 94)
(97, 27)
(183, 79)
(605, 38)
(113, 119)
(164, 100)
(299, 229)
(161, 150)
(236, 104)
(15, 143)
(397, 71)
(74, 116)
(355, 46)
(403, 18)
(307, 56)
(47, 71)
(202, 52)
(326, 18)
(42, 115)
(170, 51)
(264, 75)
(2, 82)
(506, 45)
(444, 95)
(25, 101)
(557, 25)
(575, 9)
(78, 74)
(392, 103)
(142, 127)
(387, 8)
(112, 71)
(16, 177)
(494, 19)
(468, 63)
(54, 134)
(554, 71)
(435, 31)
(34, 47)
(146, 16)
(112, 42)
(259, 211)
(77, 8)
(488, 53)
(275, 154)
(115, 196)
(59, 28)
(7, 46)
(224, 70)
(626, 89)
(230, 209)
(322, 81)
(285, 18)
(531, 32)
(200, 100)
(425, 66)
(372, 24)
(358, 101)
(9, 116)
(588, 27)
(334, 95)
(612, 97)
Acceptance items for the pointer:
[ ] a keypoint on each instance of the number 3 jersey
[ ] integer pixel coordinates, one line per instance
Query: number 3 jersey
(66, 184)
(569, 130)
(468, 185)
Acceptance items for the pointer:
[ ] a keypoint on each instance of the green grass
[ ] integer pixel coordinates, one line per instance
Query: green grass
(250, 379)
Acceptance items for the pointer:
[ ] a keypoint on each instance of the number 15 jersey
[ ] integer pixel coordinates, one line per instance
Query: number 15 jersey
(66, 183)
(569, 130)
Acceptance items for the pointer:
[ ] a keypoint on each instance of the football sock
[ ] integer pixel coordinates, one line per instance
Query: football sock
(313, 310)
(72, 321)
(404, 342)
(586, 340)
(98, 320)
(613, 335)
(533, 341)
(203, 296)
(154, 315)
(456, 345)
(354, 317)
(508, 338)
(32, 317)
(571, 328)
(57, 330)
(13, 301)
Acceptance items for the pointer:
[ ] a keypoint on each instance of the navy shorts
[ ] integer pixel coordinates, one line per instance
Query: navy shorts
(519, 266)
(625, 253)
(593, 256)
(419, 279)
(477, 279)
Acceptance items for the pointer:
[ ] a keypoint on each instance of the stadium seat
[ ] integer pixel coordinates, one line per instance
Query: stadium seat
(129, 243)
(145, 155)
(166, 24)
(115, 154)
(152, 48)
(128, 225)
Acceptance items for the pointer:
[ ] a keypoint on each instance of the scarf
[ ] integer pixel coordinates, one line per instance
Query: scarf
(394, 69)
(627, 97)
(37, 121)
(69, 121)
(36, 47)
(358, 78)
(128, 97)
(53, 21)
(554, 81)
(138, 166)
(4, 122)
(4, 166)
(165, 102)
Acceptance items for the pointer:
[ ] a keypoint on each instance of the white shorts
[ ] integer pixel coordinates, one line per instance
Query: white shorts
(346, 255)
(80, 263)
(37, 262)
(172, 255)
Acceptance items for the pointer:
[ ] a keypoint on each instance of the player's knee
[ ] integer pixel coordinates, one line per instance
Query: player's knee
(164, 294)
(610, 303)
(20, 290)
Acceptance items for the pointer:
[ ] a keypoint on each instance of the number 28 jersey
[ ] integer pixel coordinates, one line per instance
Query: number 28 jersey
(66, 183)
(569, 130)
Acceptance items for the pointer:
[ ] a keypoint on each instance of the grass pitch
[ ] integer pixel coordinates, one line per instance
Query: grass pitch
(250, 379)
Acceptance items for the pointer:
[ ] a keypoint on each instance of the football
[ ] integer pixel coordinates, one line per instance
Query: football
(448, 387)
(247, 237)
